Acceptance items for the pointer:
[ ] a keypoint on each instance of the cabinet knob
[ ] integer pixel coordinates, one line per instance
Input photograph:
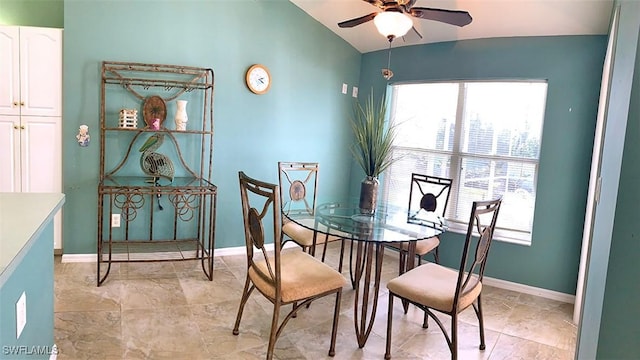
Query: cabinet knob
(15, 127)
(22, 127)
(21, 103)
(15, 103)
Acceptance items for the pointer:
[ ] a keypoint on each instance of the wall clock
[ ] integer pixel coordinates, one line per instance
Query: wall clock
(258, 79)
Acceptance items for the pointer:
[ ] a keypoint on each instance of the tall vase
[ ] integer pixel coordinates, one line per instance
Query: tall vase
(181, 117)
(369, 195)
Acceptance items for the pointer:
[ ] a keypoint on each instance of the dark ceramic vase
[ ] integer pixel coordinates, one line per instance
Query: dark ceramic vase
(368, 195)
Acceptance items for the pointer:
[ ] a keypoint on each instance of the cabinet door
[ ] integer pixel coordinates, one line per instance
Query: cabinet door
(41, 161)
(41, 154)
(40, 71)
(9, 71)
(9, 153)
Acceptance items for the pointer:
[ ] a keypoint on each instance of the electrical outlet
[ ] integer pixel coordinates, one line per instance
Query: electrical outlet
(354, 93)
(115, 220)
(21, 314)
(344, 88)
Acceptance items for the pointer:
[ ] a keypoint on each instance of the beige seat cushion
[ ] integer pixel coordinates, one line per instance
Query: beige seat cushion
(304, 236)
(434, 285)
(303, 276)
(423, 247)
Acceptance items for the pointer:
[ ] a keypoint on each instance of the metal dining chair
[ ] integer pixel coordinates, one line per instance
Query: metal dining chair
(428, 198)
(436, 288)
(283, 277)
(299, 186)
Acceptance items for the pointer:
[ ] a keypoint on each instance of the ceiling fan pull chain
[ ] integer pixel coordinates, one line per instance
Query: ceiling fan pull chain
(387, 73)
(389, 56)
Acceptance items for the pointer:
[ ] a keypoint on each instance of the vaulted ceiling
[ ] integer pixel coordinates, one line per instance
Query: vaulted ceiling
(491, 18)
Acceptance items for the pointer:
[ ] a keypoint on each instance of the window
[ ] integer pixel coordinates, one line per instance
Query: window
(484, 135)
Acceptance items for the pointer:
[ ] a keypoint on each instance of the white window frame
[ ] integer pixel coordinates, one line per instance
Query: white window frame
(457, 155)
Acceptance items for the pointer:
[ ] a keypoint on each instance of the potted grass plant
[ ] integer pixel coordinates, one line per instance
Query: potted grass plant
(372, 148)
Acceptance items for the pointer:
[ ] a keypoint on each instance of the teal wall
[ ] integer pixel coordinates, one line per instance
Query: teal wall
(44, 13)
(34, 276)
(302, 118)
(619, 331)
(573, 67)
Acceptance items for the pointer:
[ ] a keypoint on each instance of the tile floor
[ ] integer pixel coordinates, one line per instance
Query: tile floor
(168, 310)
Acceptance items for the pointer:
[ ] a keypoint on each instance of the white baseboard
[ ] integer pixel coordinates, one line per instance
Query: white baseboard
(229, 251)
(526, 289)
(502, 284)
(75, 258)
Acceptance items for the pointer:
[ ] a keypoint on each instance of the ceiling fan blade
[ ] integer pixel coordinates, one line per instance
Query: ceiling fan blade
(453, 17)
(409, 4)
(378, 3)
(357, 21)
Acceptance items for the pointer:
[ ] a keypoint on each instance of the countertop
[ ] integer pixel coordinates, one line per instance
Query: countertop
(22, 218)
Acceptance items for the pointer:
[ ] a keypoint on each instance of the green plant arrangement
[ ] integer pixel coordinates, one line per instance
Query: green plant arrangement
(372, 147)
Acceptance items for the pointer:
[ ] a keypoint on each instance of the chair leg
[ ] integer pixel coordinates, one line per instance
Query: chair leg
(436, 255)
(312, 248)
(402, 263)
(243, 302)
(334, 331)
(454, 336)
(425, 321)
(341, 255)
(273, 335)
(387, 353)
(324, 247)
(480, 323)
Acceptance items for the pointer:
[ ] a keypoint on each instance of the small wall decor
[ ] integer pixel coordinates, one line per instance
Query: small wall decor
(154, 108)
(181, 117)
(83, 136)
(128, 118)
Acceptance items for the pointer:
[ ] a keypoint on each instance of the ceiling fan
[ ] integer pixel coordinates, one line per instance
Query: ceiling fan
(394, 8)
(395, 20)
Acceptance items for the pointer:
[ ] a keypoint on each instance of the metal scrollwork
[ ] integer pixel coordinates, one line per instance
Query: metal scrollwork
(129, 202)
(185, 204)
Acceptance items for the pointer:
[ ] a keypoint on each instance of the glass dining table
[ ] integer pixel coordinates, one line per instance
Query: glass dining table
(369, 235)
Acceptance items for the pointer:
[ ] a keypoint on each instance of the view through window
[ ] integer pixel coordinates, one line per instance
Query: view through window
(484, 135)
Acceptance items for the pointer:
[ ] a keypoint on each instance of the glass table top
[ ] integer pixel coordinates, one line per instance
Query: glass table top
(389, 223)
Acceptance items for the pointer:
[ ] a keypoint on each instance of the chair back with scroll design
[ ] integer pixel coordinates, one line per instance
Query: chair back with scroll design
(298, 183)
(283, 277)
(299, 187)
(428, 199)
(433, 287)
(251, 192)
(428, 194)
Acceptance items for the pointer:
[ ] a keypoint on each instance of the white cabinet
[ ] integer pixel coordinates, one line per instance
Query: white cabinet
(31, 112)
(30, 158)
(31, 63)
(10, 180)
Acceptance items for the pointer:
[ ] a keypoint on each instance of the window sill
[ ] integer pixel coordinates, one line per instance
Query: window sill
(503, 235)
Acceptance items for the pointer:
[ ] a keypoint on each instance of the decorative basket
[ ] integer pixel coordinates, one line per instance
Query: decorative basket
(128, 118)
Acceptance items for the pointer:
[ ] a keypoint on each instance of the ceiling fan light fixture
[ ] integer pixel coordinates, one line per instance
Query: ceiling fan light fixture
(392, 24)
